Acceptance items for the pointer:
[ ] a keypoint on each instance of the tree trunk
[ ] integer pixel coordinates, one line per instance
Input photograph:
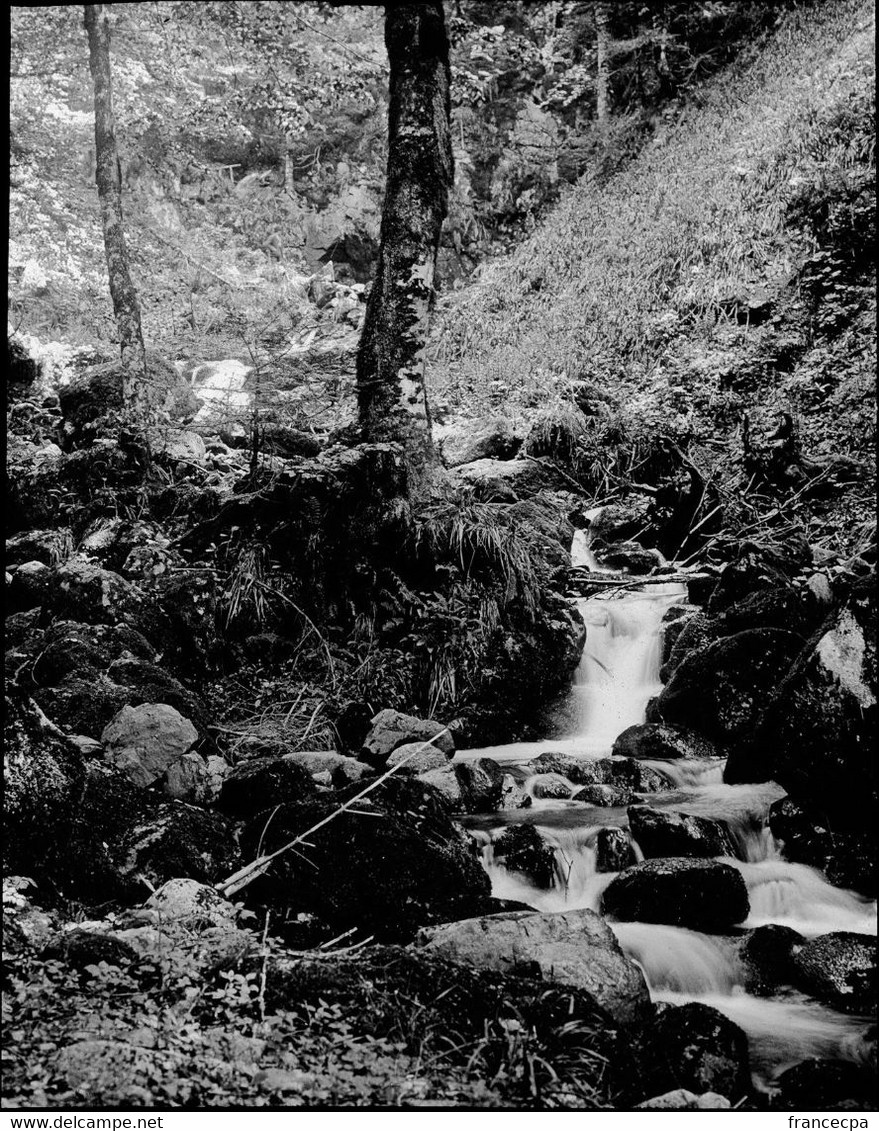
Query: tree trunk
(391, 394)
(601, 76)
(135, 399)
(289, 186)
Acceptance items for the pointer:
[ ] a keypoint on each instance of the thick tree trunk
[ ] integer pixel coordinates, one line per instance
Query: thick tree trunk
(602, 111)
(391, 393)
(107, 174)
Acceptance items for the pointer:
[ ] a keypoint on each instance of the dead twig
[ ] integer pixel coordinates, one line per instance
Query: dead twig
(246, 875)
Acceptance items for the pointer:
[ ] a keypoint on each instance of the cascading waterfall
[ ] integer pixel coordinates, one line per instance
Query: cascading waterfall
(619, 670)
(617, 675)
(678, 960)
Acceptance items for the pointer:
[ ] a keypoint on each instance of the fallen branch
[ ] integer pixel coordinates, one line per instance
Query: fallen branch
(635, 582)
(260, 866)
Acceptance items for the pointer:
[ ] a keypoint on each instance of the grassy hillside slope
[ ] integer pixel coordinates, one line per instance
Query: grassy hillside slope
(724, 271)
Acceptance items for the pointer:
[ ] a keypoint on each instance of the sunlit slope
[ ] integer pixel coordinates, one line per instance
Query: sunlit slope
(625, 273)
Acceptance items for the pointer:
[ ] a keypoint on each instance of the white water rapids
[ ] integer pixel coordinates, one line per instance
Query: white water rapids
(617, 675)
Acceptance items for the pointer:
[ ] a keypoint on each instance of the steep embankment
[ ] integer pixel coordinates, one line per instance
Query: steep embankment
(722, 273)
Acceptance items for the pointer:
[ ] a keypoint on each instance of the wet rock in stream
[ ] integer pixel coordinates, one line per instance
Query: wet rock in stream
(601, 771)
(613, 850)
(604, 795)
(677, 890)
(520, 848)
(550, 787)
(720, 689)
(767, 956)
(848, 858)
(821, 1084)
(658, 740)
(662, 833)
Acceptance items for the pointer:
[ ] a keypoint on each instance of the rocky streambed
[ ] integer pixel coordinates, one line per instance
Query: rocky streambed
(674, 884)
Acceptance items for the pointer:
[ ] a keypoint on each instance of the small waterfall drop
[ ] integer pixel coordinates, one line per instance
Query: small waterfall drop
(619, 670)
(795, 895)
(678, 960)
(577, 883)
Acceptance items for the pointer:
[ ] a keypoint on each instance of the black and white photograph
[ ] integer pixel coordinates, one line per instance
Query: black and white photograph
(440, 563)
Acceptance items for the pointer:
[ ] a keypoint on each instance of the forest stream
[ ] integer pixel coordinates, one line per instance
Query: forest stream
(617, 675)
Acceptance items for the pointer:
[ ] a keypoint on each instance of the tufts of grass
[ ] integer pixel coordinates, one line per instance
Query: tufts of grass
(486, 546)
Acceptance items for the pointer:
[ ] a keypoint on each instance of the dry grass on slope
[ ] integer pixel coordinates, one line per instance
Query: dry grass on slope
(623, 268)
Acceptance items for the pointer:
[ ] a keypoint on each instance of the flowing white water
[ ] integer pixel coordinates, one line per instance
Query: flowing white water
(678, 960)
(581, 551)
(798, 896)
(617, 675)
(619, 670)
(576, 884)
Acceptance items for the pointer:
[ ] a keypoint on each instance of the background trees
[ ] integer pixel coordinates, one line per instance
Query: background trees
(108, 176)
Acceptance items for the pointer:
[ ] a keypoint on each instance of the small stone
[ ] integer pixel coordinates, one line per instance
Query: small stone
(193, 904)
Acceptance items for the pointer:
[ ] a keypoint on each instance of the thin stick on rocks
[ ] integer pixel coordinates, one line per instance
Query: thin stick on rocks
(246, 875)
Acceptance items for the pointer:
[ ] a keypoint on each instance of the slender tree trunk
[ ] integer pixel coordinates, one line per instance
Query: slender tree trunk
(602, 112)
(289, 186)
(107, 174)
(391, 394)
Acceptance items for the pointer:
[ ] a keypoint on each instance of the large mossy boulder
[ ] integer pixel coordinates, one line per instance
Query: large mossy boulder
(394, 864)
(703, 894)
(620, 521)
(144, 742)
(260, 784)
(177, 840)
(780, 605)
(96, 394)
(721, 689)
(818, 733)
(757, 569)
(576, 948)
(659, 832)
(508, 481)
(84, 674)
